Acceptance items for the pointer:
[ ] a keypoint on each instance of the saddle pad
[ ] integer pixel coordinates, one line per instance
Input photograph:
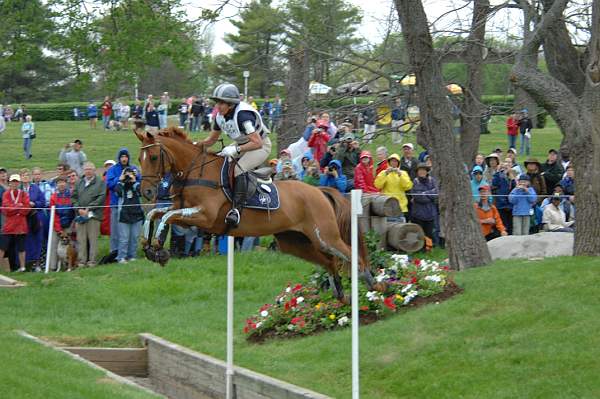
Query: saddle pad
(265, 198)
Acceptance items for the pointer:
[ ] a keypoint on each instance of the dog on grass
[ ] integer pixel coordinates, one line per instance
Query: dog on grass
(65, 253)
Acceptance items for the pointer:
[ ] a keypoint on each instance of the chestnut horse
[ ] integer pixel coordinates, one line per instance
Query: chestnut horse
(311, 223)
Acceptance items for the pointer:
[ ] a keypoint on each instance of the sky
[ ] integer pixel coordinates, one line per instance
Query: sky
(371, 28)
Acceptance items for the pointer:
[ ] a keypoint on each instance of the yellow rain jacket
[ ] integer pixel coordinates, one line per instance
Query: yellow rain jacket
(395, 184)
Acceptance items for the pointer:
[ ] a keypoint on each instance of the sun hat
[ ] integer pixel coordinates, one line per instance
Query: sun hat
(109, 162)
(348, 137)
(15, 177)
(484, 187)
(524, 177)
(409, 145)
(423, 165)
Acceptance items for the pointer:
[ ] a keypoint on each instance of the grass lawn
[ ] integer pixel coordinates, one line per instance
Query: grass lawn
(100, 146)
(520, 330)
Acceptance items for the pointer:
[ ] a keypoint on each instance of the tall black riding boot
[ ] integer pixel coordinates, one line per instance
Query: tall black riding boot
(233, 217)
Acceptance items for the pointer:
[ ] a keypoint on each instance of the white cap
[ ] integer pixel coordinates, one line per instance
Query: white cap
(14, 178)
(109, 162)
(409, 145)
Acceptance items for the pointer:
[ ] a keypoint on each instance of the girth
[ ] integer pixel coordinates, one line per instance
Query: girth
(196, 182)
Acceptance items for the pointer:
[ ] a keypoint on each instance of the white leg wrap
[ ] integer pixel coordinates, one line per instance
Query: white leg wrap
(185, 212)
(149, 218)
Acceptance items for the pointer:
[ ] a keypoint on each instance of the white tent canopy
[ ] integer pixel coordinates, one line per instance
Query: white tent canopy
(318, 88)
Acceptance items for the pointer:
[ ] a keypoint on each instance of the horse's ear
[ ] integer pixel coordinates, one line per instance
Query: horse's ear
(150, 136)
(141, 135)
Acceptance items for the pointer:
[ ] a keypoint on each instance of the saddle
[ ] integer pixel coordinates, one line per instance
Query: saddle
(261, 192)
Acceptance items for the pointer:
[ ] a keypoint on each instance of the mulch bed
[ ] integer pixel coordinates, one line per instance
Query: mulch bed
(451, 290)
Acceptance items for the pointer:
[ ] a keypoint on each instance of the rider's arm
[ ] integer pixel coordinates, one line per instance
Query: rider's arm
(254, 144)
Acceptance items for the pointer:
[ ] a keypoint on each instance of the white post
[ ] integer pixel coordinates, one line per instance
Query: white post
(50, 237)
(229, 372)
(356, 210)
(246, 76)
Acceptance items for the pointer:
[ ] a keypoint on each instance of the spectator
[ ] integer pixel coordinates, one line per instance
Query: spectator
(382, 154)
(489, 218)
(347, 153)
(64, 216)
(273, 165)
(34, 238)
(568, 182)
(522, 198)
(328, 157)
(112, 180)
(492, 163)
(525, 127)
(106, 112)
(184, 110)
(252, 102)
(15, 208)
(424, 200)
(565, 203)
(477, 181)
(149, 99)
(554, 218)
(197, 113)
(105, 225)
(565, 158)
(304, 162)
(152, 119)
(163, 112)
(311, 176)
(44, 185)
(536, 180)
(92, 114)
(117, 110)
(284, 155)
(318, 140)
(503, 182)
(267, 110)
(370, 120)
(277, 110)
(512, 154)
(310, 127)
(398, 116)
(130, 214)
(73, 156)
(28, 134)
(395, 182)
(138, 110)
(479, 161)
(72, 179)
(552, 171)
(363, 174)
(88, 195)
(333, 176)
(332, 130)
(125, 114)
(512, 130)
(408, 162)
(287, 172)
(3, 180)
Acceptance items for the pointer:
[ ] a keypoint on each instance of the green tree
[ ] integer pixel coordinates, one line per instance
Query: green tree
(326, 28)
(256, 47)
(27, 72)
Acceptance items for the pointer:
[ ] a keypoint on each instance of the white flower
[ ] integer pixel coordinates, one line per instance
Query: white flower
(409, 297)
(372, 295)
(407, 288)
(381, 277)
(400, 258)
(300, 299)
(264, 313)
(288, 289)
(394, 267)
(259, 324)
(343, 320)
(435, 278)
(290, 327)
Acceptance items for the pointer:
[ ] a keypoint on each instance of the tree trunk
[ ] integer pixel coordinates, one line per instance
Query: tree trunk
(577, 116)
(473, 107)
(296, 105)
(466, 245)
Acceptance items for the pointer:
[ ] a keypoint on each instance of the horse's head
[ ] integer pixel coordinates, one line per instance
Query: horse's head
(153, 162)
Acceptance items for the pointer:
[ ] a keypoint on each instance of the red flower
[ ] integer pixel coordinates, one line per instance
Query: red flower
(417, 262)
(246, 330)
(445, 268)
(364, 307)
(299, 321)
(287, 306)
(294, 302)
(389, 302)
(264, 307)
(413, 280)
(297, 288)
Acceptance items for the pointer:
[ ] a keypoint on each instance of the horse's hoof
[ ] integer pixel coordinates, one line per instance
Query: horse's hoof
(150, 253)
(162, 256)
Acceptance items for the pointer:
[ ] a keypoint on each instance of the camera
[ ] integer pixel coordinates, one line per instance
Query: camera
(330, 169)
(313, 120)
(128, 172)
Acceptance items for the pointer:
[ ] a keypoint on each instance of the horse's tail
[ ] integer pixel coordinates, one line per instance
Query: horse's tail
(342, 209)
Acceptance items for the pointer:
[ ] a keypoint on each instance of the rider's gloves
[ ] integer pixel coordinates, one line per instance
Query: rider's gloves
(229, 151)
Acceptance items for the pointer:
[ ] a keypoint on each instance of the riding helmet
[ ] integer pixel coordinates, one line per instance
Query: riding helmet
(226, 92)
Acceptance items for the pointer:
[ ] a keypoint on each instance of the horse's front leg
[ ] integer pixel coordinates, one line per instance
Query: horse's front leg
(154, 214)
(185, 216)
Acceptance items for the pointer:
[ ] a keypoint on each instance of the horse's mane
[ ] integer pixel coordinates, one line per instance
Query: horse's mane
(175, 133)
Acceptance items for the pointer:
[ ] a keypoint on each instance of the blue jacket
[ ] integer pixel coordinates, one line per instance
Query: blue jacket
(501, 187)
(568, 185)
(424, 206)
(308, 131)
(298, 164)
(522, 201)
(114, 173)
(327, 180)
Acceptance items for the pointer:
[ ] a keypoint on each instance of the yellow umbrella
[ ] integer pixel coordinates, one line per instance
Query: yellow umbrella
(454, 88)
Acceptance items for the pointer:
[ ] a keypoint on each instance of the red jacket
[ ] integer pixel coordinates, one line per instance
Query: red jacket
(105, 224)
(15, 217)
(363, 175)
(318, 141)
(381, 166)
(106, 108)
(512, 127)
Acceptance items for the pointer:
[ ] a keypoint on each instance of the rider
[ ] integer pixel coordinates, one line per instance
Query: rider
(251, 147)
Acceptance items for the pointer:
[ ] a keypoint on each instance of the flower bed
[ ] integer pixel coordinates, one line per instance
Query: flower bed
(304, 309)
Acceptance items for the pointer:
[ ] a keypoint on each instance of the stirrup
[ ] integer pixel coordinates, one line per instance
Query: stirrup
(233, 217)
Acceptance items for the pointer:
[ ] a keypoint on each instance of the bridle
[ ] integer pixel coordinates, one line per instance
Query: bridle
(180, 179)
